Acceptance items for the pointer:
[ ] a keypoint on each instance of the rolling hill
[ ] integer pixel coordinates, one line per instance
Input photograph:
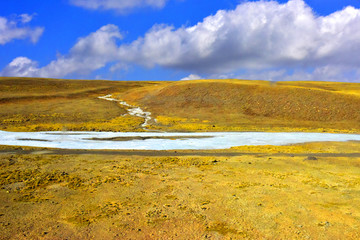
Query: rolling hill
(33, 104)
(251, 105)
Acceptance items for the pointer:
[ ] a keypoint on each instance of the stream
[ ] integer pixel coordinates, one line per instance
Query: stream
(132, 110)
(163, 141)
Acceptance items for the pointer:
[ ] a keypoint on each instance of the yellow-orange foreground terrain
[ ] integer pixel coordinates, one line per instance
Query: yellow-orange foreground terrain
(309, 191)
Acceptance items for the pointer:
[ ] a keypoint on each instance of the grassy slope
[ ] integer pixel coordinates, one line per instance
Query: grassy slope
(251, 105)
(30, 104)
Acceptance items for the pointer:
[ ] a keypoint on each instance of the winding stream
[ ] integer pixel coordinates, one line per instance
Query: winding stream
(162, 141)
(132, 110)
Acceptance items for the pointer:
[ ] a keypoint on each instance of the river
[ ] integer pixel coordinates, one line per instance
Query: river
(163, 141)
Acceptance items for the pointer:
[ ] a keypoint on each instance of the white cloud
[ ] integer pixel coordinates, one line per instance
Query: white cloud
(270, 75)
(121, 6)
(21, 67)
(324, 73)
(25, 18)
(263, 40)
(192, 77)
(10, 29)
(119, 66)
(89, 53)
(256, 35)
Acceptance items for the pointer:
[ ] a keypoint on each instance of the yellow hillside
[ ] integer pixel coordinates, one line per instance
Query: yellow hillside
(30, 104)
(36, 104)
(251, 105)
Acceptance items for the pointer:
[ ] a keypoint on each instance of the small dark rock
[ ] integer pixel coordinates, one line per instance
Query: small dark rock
(324, 224)
(311, 158)
(249, 162)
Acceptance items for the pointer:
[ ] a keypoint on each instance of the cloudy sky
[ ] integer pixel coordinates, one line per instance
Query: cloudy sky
(181, 39)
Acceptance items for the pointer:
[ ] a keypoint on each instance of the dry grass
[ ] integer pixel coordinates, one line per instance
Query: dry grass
(28, 104)
(258, 196)
(254, 193)
(205, 105)
(304, 148)
(245, 105)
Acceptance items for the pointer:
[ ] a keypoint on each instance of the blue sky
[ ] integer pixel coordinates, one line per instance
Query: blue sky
(177, 39)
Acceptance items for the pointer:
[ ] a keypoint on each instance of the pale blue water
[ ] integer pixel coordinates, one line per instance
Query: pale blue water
(215, 140)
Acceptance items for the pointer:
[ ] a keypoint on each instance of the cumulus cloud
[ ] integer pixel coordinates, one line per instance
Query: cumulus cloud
(17, 29)
(324, 73)
(21, 67)
(255, 35)
(121, 6)
(88, 54)
(270, 75)
(261, 40)
(25, 18)
(192, 77)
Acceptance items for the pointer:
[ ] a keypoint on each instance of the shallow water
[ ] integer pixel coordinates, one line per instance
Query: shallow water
(132, 110)
(162, 141)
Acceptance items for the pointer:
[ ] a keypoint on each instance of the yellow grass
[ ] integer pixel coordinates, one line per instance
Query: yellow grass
(239, 105)
(201, 105)
(255, 196)
(53, 105)
(304, 191)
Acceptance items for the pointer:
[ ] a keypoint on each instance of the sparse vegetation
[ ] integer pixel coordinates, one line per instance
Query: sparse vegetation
(55, 105)
(261, 195)
(211, 105)
(234, 105)
(304, 191)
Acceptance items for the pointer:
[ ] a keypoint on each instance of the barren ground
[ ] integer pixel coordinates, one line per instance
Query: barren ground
(49, 194)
